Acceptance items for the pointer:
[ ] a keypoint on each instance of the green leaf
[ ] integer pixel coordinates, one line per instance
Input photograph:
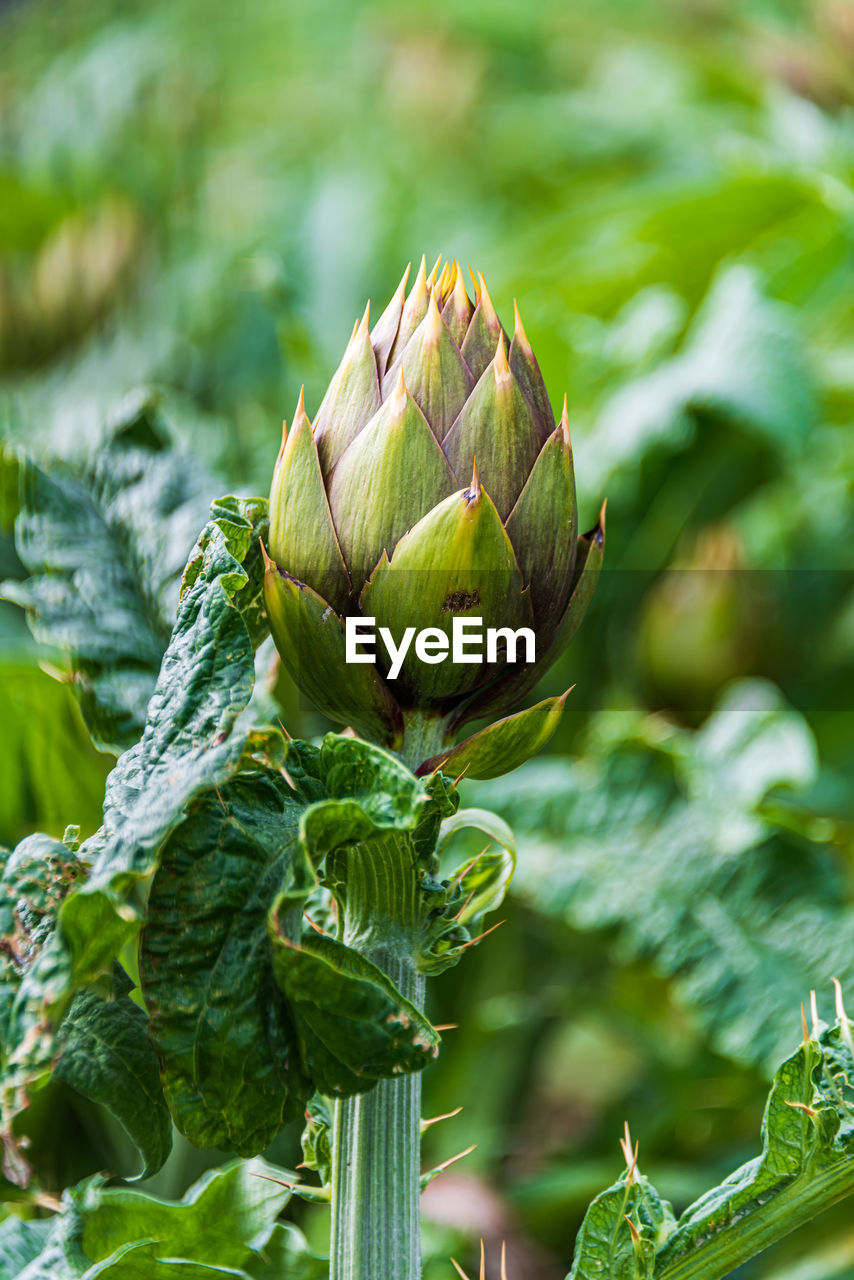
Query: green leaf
(367, 791)
(20, 1243)
(99, 1045)
(190, 744)
(316, 1138)
(224, 1225)
(286, 1256)
(354, 1025)
(807, 1165)
(105, 547)
(669, 837)
(621, 1231)
(221, 1026)
(106, 1055)
(503, 746)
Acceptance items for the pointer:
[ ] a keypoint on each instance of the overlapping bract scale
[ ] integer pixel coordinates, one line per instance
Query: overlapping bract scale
(375, 507)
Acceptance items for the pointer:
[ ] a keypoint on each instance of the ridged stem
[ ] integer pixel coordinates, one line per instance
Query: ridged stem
(376, 1135)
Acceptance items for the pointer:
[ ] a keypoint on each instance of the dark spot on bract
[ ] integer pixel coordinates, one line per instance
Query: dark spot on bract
(459, 601)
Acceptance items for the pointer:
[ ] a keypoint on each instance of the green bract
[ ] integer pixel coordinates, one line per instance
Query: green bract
(433, 485)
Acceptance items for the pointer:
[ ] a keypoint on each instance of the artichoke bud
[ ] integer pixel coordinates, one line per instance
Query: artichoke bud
(433, 499)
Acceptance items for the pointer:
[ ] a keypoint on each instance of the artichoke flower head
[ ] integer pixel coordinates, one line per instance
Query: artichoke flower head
(433, 485)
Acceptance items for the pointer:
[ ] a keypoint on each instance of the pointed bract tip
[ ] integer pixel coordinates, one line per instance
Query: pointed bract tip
(519, 334)
(435, 323)
(461, 297)
(563, 697)
(482, 1260)
(269, 565)
(499, 364)
(300, 416)
(476, 282)
(365, 322)
(431, 279)
(400, 392)
(473, 490)
(484, 299)
(814, 1014)
(804, 1028)
(503, 1260)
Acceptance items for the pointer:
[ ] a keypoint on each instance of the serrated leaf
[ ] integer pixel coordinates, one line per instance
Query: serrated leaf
(355, 1026)
(105, 546)
(221, 1026)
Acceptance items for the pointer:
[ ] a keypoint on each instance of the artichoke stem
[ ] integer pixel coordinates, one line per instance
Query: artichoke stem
(425, 734)
(376, 1135)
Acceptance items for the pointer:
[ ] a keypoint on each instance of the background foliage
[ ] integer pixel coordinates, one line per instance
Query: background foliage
(196, 200)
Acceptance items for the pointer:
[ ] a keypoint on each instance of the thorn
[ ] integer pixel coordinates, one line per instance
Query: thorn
(814, 1014)
(283, 729)
(288, 779)
(445, 1026)
(449, 1115)
(458, 1269)
(440, 767)
(465, 904)
(480, 937)
(461, 875)
(635, 1233)
(482, 1260)
(804, 1026)
(844, 1021)
(460, 776)
(220, 799)
(315, 927)
(802, 1106)
(268, 563)
(446, 1164)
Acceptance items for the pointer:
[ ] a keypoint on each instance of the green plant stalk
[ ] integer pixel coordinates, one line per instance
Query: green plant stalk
(738, 1242)
(376, 1135)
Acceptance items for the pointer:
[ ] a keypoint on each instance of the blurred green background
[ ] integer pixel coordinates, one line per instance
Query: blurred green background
(198, 199)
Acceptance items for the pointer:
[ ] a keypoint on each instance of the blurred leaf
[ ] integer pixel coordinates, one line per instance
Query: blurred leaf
(668, 837)
(742, 361)
(105, 549)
